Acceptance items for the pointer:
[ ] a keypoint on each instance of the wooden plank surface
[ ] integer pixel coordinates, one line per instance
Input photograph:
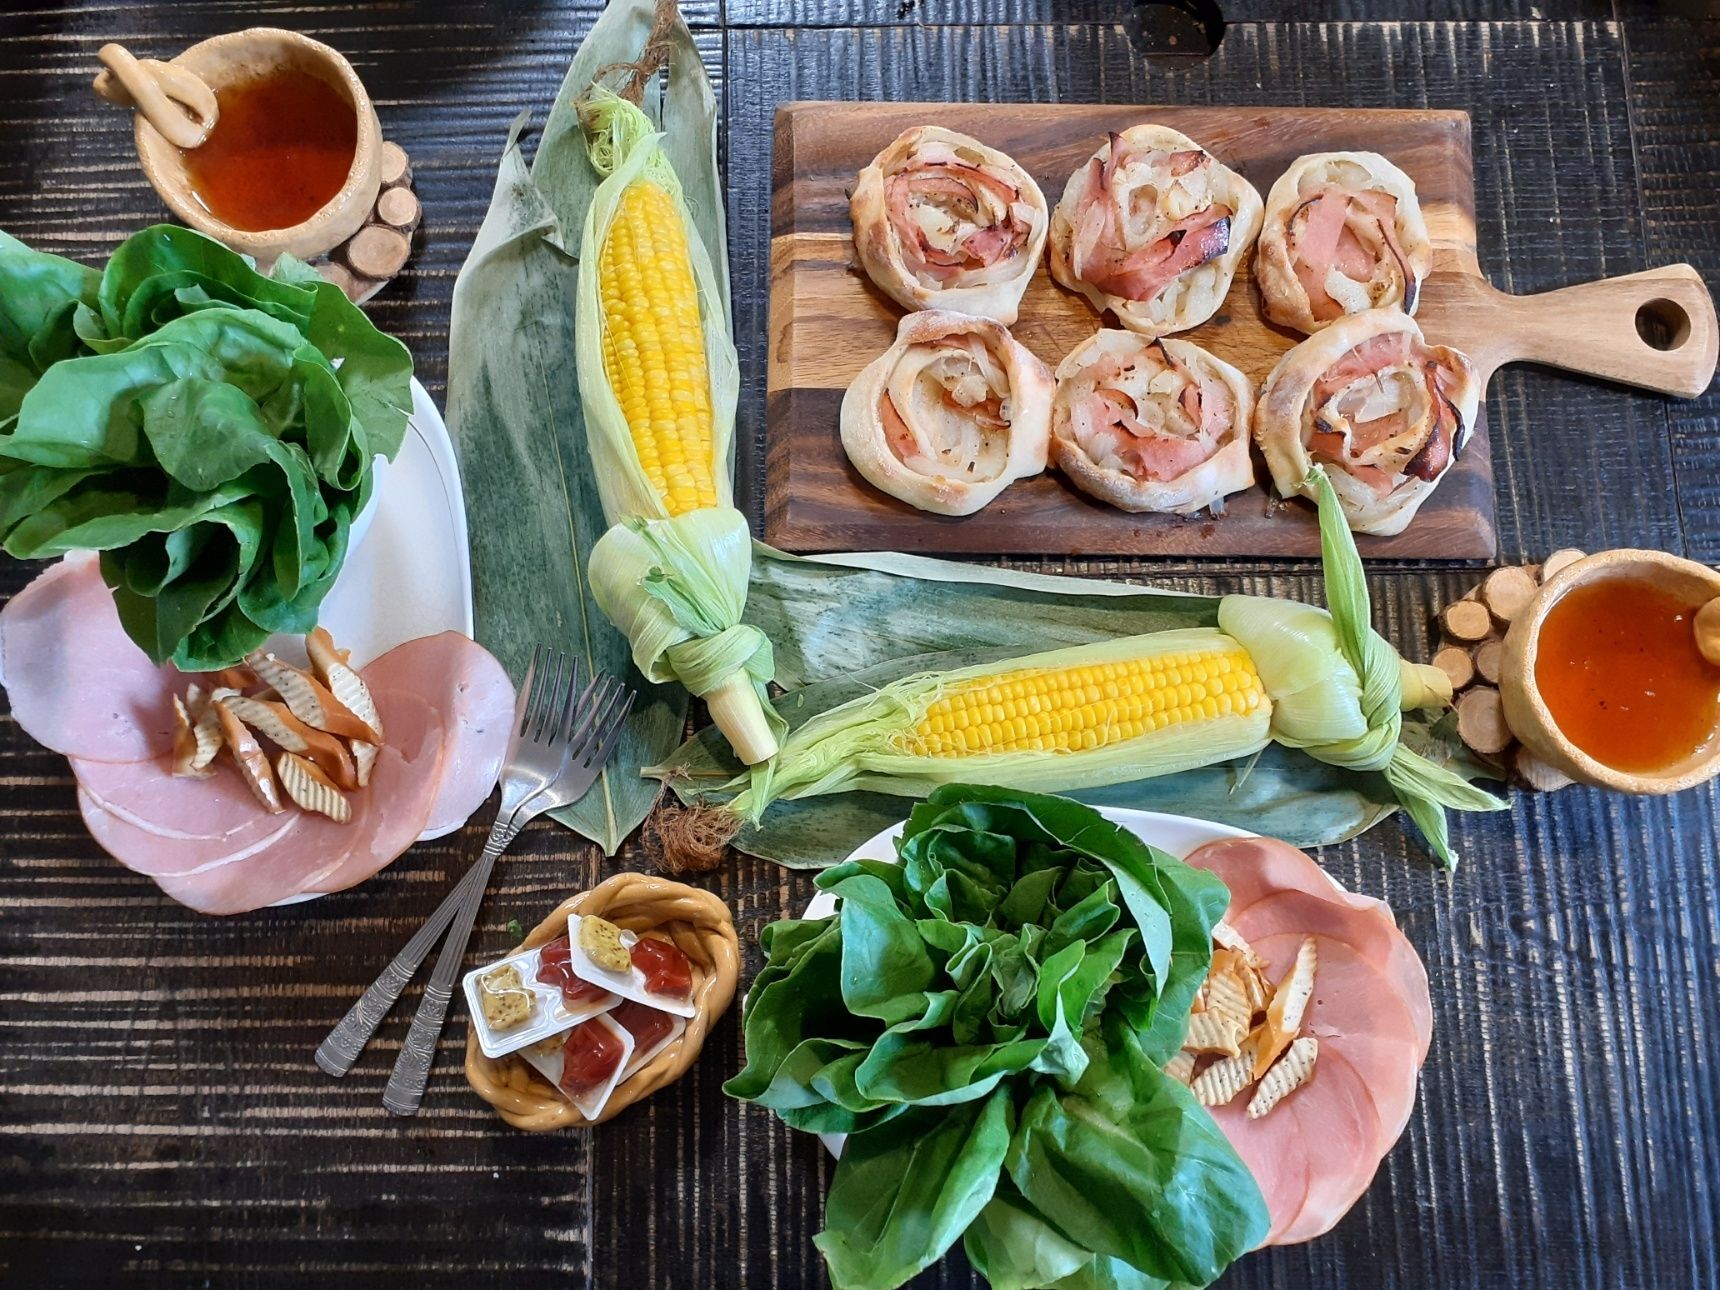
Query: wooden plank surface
(160, 1119)
(827, 322)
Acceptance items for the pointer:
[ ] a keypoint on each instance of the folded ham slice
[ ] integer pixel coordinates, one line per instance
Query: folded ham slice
(1153, 228)
(1152, 425)
(446, 708)
(76, 682)
(943, 222)
(1316, 1152)
(1343, 233)
(1383, 411)
(950, 415)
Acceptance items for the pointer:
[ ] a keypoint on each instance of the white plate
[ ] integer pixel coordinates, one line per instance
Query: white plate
(408, 571)
(409, 574)
(1177, 834)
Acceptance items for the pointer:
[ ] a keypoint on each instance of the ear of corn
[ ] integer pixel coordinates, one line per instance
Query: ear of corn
(659, 381)
(657, 369)
(1067, 719)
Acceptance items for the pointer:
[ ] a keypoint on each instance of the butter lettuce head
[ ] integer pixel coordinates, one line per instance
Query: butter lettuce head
(206, 428)
(987, 1020)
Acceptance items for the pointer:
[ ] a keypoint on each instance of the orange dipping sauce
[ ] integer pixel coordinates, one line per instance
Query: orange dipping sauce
(1617, 666)
(281, 148)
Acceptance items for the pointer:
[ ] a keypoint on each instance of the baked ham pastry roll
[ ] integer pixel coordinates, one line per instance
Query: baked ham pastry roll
(943, 222)
(950, 415)
(1153, 229)
(1152, 425)
(1343, 234)
(1386, 413)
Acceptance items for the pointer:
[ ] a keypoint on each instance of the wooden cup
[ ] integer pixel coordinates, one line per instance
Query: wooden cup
(175, 110)
(1527, 713)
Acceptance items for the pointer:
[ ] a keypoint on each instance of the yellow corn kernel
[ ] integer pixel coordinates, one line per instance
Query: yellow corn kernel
(1087, 707)
(654, 349)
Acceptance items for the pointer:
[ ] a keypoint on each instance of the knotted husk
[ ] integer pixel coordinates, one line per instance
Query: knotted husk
(698, 922)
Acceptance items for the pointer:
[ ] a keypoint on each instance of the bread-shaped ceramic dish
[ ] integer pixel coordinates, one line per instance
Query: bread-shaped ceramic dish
(1153, 228)
(1343, 234)
(950, 415)
(1152, 425)
(943, 222)
(1383, 411)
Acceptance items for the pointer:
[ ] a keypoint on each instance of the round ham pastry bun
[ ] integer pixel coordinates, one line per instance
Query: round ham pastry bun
(1152, 425)
(1315, 1153)
(1343, 234)
(1153, 228)
(943, 222)
(1386, 413)
(950, 415)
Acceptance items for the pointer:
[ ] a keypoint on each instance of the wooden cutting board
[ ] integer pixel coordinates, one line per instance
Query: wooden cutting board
(827, 322)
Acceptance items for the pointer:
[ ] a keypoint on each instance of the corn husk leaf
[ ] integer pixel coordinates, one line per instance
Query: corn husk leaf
(515, 413)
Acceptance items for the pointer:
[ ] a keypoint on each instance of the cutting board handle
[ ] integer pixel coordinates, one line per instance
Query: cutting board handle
(1654, 329)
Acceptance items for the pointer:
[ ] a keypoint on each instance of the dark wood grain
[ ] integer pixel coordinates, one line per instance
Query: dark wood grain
(160, 1118)
(827, 322)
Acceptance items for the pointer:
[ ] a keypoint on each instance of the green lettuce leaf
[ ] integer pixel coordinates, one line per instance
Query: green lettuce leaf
(985, 1020)
(206, 428)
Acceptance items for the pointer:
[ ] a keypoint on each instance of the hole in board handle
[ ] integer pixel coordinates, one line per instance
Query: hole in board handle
(1663, 325)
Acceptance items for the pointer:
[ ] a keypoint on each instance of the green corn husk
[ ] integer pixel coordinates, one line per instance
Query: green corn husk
(1338, 691)
(674, 584)
(514, 409)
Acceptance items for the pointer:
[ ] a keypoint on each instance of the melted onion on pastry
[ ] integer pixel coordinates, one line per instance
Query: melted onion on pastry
(1386, 413)
(1153, 229)
(1343, 234)
(943, 222)
(949, 415)
(1152, 425)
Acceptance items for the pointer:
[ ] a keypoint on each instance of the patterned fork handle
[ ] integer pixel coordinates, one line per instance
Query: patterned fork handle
(345, 1043)
(412, 1068)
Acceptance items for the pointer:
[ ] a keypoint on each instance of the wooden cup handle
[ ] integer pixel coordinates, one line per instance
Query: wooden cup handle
(1599, 328)
(175, 101)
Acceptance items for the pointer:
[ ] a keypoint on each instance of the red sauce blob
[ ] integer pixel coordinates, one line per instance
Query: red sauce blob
(282, 147)
(666, 969)
(1617, 665)
(555, 967)
(648, 1026)
(589, 1057)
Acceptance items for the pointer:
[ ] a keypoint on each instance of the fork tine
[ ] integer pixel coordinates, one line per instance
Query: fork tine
(591, 706)
(600, 725)
(617, 722)
(569, 706)
(523, 712)
(552, 692)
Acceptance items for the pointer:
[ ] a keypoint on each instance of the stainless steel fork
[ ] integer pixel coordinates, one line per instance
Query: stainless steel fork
(578, 737)
(345, 1043)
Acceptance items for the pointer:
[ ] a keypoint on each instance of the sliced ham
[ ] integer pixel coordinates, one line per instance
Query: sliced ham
(1259, 868)
(75, 681)
(1317, 1151)
(474, 700)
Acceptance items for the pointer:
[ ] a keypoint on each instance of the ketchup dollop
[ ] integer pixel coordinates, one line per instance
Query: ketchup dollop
(648, 1026)
(666, 969)
(555, 967)
(589, 1057)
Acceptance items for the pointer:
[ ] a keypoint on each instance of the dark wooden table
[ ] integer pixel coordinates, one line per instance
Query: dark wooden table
(160, 1116)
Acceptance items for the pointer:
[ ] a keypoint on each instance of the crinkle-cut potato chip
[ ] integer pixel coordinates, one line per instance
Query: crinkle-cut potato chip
(1180, 1067)
(1289, 1002)
(1227, 997)
(1257, 988)
(1210, 1033)
(1227, 937)
(310, 789)
(1225, 1078)
(1288, 1074)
